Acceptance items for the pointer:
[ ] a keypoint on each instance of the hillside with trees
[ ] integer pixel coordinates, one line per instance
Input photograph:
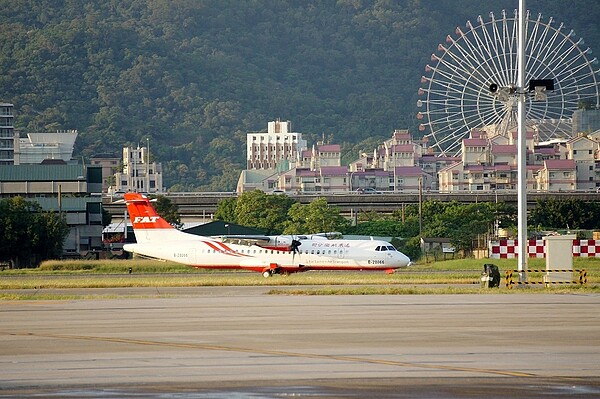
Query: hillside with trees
(195, 76)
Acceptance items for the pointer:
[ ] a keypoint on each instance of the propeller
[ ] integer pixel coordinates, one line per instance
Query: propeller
(294, 245)
(294, 248)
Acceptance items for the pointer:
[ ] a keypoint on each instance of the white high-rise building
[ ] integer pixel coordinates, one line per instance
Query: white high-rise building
(39, 147)
(276, 149)
(139, 174)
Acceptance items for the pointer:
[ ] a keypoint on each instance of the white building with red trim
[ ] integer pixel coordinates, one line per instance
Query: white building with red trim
(488, 162)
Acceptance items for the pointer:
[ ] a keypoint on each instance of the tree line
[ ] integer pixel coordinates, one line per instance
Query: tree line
(29, 235)
(279, 214)
(463, 224)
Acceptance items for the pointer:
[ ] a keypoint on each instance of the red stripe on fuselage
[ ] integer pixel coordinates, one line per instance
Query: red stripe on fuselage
(225, 249)
(224, 246)
(277, 248)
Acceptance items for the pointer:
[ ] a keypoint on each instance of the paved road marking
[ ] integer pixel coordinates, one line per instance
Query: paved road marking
(341, 358)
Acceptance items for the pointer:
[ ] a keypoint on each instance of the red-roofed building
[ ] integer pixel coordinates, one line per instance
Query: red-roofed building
(334, 178)
(401, 136)
(504, 154)
(478, 134)
(399, 150)
(364, 162)
(583, 150)
(475, 151)
(557, 175)
(377, 179)
(549, 151)
(409, 178)
(325, 179)
(459, 177)
(531, 137)
(327, 155)
(488, 162)
(321, 155)
(450, 178)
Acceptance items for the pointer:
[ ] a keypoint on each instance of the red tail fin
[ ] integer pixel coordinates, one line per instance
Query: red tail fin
(142, 213)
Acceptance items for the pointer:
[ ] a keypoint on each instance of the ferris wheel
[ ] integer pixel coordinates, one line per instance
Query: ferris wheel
(472, 80)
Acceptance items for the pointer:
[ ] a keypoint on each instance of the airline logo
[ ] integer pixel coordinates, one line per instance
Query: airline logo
(146, 219)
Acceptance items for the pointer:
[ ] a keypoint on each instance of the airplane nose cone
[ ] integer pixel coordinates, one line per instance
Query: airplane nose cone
(403, 259)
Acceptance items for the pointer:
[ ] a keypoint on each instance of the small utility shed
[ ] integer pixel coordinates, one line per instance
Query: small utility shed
(437, 247)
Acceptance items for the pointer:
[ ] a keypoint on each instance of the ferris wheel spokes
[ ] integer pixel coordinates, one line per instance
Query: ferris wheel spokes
(456, 96)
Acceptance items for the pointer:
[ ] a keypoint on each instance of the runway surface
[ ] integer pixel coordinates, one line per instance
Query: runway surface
(244, 344)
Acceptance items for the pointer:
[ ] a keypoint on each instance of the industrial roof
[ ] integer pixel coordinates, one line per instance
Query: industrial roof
(39, 172)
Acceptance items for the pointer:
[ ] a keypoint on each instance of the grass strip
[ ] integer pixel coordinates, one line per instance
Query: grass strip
(146, 273)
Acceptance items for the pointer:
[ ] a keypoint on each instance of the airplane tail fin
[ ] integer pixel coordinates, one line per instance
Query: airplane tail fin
(148, 225)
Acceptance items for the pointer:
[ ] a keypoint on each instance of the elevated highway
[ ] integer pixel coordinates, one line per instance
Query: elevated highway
(196, 205)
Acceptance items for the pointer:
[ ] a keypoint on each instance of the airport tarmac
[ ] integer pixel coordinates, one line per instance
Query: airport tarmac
(251, 345)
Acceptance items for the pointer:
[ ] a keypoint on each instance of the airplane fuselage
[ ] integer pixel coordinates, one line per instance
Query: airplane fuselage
(311, 255)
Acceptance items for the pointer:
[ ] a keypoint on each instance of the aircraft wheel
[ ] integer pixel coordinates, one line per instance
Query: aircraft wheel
(267, 273)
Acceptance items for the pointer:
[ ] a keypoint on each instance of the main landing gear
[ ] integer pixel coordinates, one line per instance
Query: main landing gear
(272, 269)
(267, 273)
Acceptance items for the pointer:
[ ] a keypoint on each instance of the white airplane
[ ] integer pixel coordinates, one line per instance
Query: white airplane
(156, 238)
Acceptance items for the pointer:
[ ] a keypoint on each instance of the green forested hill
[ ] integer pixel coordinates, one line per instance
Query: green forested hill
(196, 75)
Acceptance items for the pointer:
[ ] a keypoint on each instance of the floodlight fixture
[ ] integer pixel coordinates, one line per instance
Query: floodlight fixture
(540, 87)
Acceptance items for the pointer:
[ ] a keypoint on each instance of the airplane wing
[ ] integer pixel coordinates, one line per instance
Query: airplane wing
(248, 240)
(279, 243)
(329, 235)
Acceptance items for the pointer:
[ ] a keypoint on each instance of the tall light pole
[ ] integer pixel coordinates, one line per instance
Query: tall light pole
(522, 147)
(148, 165)
(421, 205)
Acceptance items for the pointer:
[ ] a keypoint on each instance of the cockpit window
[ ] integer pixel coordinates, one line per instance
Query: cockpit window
(385, 248)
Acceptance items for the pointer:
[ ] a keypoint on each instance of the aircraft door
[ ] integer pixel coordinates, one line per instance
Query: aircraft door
(192, 256)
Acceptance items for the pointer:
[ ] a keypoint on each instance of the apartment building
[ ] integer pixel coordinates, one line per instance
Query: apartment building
(557, 175)
(7, 134)
(265, 150)
(488, 162)
(139, 172)
(584, 152)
